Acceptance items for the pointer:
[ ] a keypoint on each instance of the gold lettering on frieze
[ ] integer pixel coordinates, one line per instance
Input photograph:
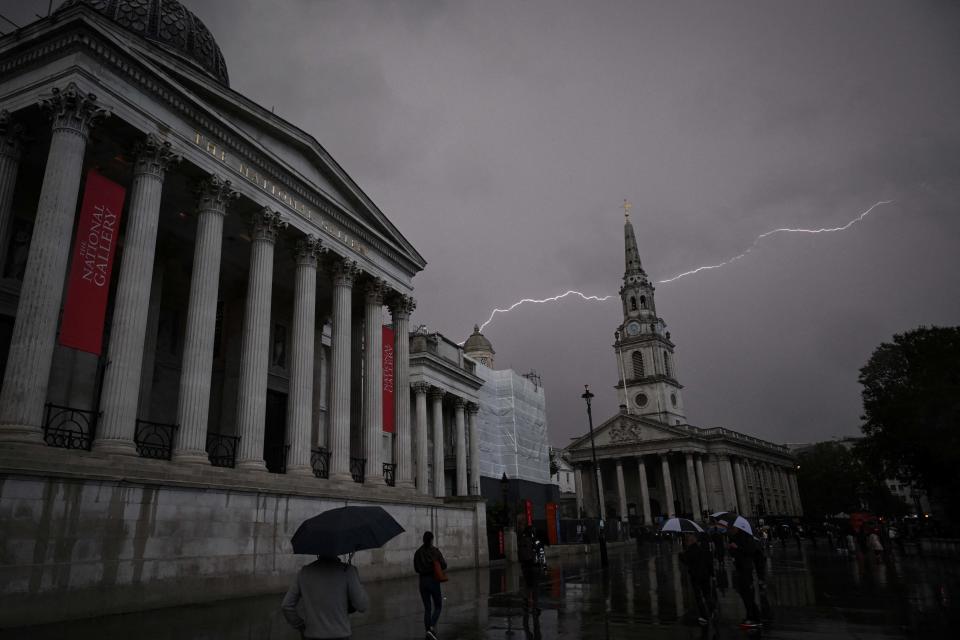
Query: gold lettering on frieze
(277, 191)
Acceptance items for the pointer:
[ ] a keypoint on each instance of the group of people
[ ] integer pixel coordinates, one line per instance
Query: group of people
(326, 591)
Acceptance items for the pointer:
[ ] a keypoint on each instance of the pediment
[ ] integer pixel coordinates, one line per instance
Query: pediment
(624, 429)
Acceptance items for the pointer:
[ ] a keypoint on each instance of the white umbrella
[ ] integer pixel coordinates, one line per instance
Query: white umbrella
(681, 525)
(730, 519)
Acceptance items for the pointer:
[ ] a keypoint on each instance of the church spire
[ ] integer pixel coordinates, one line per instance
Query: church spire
(631, 252)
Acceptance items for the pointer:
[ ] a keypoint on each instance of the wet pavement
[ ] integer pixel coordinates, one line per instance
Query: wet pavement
(645, 593)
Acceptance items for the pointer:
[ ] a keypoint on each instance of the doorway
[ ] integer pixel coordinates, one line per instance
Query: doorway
(275, 447)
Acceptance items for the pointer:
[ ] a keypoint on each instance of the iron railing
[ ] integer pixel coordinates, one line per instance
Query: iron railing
(320, 461)
(154, 439)
(222, 449)
(389, 473)
(69, 427)
(357, 468)
(275, 456)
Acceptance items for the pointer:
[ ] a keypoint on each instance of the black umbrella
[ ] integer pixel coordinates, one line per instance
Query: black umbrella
(345, 530)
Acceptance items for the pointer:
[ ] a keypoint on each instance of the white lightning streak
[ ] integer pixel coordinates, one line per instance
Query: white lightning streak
(551, 299)
(770, 233)
(692, 271)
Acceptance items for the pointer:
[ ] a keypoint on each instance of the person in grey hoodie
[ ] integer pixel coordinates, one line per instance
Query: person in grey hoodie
(322, 597)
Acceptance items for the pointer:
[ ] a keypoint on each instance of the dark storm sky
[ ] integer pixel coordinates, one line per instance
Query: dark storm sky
(501, 138)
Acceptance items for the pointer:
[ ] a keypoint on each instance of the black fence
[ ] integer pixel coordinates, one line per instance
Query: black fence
(69, 427)
(320, 461)
(222, 449)
(154, 439)
(357, 469)
(275, 456)
(390, 473)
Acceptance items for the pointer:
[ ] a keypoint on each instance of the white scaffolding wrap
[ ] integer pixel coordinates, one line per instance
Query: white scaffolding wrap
(513, 427)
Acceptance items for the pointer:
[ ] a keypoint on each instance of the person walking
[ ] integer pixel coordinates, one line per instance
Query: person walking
(424, 561)
(743, 549)
(322, 597)
(699, 562)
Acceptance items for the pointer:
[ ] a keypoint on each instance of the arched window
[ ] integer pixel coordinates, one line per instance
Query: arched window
(643, 302)
(666, 363)
(633, 303)
(637, 364)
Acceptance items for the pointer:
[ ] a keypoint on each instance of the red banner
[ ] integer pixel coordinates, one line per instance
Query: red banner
(528, 510)
(552, 522)
(93, 249)
(388, 412)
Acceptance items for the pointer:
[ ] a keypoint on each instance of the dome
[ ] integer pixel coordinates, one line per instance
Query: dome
(168, 23)
(477, 343)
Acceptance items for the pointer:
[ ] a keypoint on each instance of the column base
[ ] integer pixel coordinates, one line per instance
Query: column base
(301, 471)
(251, 465)
(115, 447)
(21, 433)
(340, 477)
(189, 456)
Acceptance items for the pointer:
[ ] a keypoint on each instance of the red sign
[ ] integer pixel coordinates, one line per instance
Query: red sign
(528, 510)
(388, 412)
(89, 284)
(552, 521)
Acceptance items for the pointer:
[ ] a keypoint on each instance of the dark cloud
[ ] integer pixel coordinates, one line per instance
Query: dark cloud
(501, 137)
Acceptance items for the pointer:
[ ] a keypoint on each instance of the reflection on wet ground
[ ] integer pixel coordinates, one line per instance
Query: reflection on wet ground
(645, 593)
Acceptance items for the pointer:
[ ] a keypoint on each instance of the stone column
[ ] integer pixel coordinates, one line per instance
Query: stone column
(255, 347)
(796, 493)
(602, 507)
(621, 491)
(38, 312)
(459, 415)
(401, 307)
(374, 293)
(785, 491)
(743, 500)
(692, 483)
(193, 403)
(300, 398)
(578, 487)
(667, 485)
(474, 432)
(421, 443)
(727, 484)
(436, 399)
(644, 491)
(702, 485)
(131, 307)
(11, 134)
(343, 273)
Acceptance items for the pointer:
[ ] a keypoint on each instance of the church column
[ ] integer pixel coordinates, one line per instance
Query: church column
(38, 311)
(300, 398)
(669, 509)
(11, 134)
(421, 443)
(255, 348)
(726, 483)
(692, 483)
(702, 485)
(343, 273)
(373, 380)
(796, 495)
(602, 507)
(743, 499)
(621, 491)
(472, 410)
(784, 491)
(121, 380)
(459, 415)
(439, 481)
(401, 307)
(578, 488)
(193, 403)
(644, 491)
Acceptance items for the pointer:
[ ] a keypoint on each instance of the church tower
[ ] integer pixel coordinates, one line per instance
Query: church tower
(647, 372)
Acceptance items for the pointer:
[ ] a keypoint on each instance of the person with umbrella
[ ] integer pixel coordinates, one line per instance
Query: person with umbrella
(326, 591)
(429, 564)
(743, 548)
(699, 562)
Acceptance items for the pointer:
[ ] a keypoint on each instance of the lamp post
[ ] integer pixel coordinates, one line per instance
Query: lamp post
(587, 396)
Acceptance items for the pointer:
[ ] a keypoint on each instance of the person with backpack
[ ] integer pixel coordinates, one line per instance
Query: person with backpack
(430, 565)
(744, 549)
(699, 562)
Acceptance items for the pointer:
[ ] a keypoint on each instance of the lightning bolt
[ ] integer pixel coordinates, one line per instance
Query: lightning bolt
(708, 267)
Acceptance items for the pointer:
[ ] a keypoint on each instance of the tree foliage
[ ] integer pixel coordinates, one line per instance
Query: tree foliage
(911, 403)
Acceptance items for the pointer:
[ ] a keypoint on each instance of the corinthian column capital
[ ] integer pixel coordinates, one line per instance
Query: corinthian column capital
(401, 306)
(343, 271)
(375, 290)
(308, 250)
(420, 388)
(266, 224)
(153, 155)
(11, 135)
(214, 194)
(73, 110)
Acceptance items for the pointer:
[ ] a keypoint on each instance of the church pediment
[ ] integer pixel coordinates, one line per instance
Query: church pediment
(624, 429)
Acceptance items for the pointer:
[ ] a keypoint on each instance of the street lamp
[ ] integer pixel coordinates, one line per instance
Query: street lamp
(587, 396)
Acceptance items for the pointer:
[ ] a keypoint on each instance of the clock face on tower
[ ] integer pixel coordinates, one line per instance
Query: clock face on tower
(633, 329)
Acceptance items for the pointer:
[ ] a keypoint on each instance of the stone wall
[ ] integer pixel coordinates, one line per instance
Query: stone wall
(82, 546)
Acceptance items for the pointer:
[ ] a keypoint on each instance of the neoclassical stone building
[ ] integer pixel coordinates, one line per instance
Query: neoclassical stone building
(651, 462)
(192, 311)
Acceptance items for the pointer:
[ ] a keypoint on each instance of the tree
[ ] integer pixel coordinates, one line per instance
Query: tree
(911, 404)
(830, 479)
